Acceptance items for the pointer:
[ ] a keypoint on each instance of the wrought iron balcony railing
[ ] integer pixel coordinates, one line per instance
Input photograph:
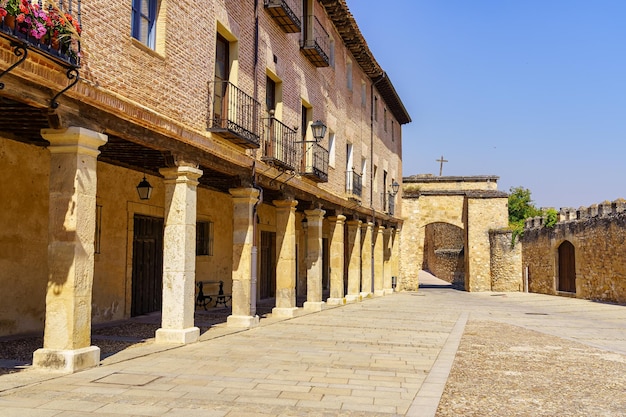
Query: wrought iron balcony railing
(353, 183)
(315, 42)
(314, 161)
(234, 114)
(280, 147)
(49, 28)
(285, 13)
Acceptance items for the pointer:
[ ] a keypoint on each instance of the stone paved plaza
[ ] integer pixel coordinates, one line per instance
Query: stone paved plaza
(387, 356)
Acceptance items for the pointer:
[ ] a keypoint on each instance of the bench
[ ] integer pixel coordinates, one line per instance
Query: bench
(205, 296)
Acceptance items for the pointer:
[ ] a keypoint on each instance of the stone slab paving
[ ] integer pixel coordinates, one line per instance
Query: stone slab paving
(387, 356)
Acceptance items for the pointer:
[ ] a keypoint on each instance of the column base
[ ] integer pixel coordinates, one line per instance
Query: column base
(313, 306)
(388, 291)
(336, 301)
(242, 321)
(379, 293)
(350, 298)
(366, 294)
(177, 336)
(284, 312)
(66, 360)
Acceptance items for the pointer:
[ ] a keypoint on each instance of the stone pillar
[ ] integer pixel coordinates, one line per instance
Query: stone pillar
(379, 253)
(354, 260)
(366, 260)
(285, 258)
(314, 260)
(337, 261)
(71, 229)
(244, 200)
(179, 255)
(387, 262)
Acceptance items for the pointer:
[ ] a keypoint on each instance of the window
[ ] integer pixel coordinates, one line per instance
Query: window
(349, 75)
(349, 158)
(331, 149)
(143, 23)
(331, 52)
(385, 119)
(375, 109)
(270, 94)
(364, 169)
(375, 184)
(304, 122)
(393, 130)
(363, 94)
(204, 238)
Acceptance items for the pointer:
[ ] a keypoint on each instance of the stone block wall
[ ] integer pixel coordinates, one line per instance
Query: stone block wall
(598, 235)
(506, 261)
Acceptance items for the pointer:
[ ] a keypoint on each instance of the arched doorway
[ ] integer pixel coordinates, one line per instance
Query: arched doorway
(567, 267)
(444, 254)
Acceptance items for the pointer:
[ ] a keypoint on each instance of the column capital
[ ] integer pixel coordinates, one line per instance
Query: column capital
(74, 140)
(288, 203)
(319, 213)
(245, 193)
(174, 173)
(354, 223)
(340, 218)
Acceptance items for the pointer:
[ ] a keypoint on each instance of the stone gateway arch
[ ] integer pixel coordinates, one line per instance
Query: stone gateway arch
(457, 229)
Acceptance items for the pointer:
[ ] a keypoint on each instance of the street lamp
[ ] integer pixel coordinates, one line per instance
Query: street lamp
(144, 189)
(394, 188)
(319, 130)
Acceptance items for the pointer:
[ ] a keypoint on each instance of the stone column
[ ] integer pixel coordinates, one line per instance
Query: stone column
(336, 261)
(387, 289)
(71, 229)
(286, 258)
(366, 260)
(354, 260)
(314, 260)
(179, 255)
(379, 252)
(244, 200)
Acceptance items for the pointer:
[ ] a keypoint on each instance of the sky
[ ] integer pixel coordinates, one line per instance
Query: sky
(532, 91)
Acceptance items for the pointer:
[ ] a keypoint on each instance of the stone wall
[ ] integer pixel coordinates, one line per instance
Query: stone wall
(506, 261)
(598, 235)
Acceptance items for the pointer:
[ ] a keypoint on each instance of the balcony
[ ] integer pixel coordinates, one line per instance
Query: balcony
(47, 30)
(285, 13)
(234, 115)
(280, 147)
(314, 162)
(353, 185)
(388, 202)
(315, 43)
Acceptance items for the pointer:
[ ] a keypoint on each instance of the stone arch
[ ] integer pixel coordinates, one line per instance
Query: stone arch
(566, 263)
(444, 254)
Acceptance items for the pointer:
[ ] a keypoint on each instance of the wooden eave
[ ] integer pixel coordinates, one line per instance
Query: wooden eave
(351, 35)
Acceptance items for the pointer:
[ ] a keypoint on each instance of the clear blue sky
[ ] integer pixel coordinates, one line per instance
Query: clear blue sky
(533, 91)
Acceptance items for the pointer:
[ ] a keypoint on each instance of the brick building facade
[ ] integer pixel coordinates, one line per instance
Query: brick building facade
(214, 104)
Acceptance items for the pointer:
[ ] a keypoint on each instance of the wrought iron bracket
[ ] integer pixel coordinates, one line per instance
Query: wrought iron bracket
(19, 51)
(72, 74)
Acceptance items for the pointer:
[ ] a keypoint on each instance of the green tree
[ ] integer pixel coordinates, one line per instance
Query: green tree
(521, 207)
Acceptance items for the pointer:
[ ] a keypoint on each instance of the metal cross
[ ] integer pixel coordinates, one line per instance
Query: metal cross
(441, 161)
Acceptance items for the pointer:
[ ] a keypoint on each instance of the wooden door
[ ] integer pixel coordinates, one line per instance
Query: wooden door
(567, 267)
(147, 279)
(267, 281)
(325, 263)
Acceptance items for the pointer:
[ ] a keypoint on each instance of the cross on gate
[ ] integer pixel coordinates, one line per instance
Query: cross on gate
(441, 161)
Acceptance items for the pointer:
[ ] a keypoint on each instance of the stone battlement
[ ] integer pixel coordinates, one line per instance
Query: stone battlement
(569, 214)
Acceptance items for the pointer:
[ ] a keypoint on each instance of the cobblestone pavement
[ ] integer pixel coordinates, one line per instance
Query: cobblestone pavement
(518, 354)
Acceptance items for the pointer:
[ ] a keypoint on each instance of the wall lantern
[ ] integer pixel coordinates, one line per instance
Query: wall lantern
(144, 189)
(394, 188)
(319, 130)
